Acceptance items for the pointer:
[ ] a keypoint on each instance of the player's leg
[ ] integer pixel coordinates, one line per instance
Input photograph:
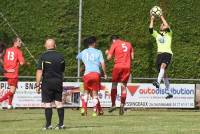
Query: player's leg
(167, 86)
(123, 97)
(99, 108)
(95, 101)
(10, 98)
(114, 93)
(9, 95)
(115, 77)
(160, 75)
(84, 101)
(95, 85)
(166, 81)
(163, 60)
(47, 99)
(13, 86)
(57, 92)
(113, 96)
(85, 96)
(125, 77)
(123, 93)
(61, 113)
(6, 96)
(48, 115)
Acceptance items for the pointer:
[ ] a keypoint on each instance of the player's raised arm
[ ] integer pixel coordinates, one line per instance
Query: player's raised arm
(151, 22)
(164, 21)
(153, 32)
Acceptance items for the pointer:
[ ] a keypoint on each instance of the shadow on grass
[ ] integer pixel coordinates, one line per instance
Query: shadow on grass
(17, 120)
(125, 114)
(68, 127)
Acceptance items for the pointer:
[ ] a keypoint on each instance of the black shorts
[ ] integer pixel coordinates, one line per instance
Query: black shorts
(52, 91)
(163, 58)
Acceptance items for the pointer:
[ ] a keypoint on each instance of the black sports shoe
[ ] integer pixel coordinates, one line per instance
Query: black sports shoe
(121, 109)
(111, 109)
(58, 127)
(47, 128)
(156, 84)
(169, 96)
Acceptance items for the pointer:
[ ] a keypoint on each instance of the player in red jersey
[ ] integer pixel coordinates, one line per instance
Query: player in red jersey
(12, 59)
(123, 53)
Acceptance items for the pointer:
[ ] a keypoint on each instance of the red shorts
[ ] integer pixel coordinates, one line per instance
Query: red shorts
(120, 74)
(91, 81)
(12, 81)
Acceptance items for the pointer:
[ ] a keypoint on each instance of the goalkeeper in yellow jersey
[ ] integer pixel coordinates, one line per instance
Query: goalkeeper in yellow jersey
(164, 52)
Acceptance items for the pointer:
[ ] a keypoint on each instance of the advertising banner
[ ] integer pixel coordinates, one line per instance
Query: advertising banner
(138, 95)
(146, 95)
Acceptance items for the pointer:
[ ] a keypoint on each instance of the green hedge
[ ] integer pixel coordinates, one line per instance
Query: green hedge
(37, 20)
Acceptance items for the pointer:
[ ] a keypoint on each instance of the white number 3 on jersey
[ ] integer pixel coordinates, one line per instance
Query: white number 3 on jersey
(124, 47)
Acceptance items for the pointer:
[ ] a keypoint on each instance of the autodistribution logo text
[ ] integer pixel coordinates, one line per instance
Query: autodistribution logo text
(182, 91)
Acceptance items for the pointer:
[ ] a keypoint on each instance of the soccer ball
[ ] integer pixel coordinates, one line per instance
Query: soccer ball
(156, 11)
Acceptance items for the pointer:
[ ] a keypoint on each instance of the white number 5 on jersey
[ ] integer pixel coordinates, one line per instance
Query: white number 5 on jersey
(124, 47)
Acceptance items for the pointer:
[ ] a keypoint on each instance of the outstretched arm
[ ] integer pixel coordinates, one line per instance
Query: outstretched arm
(164, 21)
(151, 22)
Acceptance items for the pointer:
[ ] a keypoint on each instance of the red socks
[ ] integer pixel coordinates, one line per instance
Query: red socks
(113, 96)
(10, 99)
(123, 95)
(7, 96)
(96, 105)
(84, 100)
(99, 106)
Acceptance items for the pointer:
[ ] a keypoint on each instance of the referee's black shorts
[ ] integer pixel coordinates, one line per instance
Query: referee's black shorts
(51, 90)
(163, 58)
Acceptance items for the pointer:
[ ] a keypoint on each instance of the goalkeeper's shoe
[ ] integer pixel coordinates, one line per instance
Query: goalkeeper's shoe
(83, 112)
(169, 96)
(121, 109)
(156, 84)
(47, 128)
(111, 109)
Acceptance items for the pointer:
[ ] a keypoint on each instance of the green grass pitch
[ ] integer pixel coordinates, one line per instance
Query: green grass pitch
(31, 121)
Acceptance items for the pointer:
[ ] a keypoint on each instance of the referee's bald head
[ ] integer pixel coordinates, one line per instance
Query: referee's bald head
(50, 44)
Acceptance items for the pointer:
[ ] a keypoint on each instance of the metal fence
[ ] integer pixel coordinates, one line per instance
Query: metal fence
(133, 79)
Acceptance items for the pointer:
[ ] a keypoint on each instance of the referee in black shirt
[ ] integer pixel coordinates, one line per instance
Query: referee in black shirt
(50, 68)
